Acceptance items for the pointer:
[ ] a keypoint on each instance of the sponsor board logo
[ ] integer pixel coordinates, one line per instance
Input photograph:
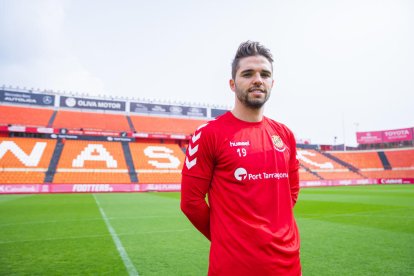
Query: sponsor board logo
(17, 128)
(158, 108)
(162, 187)
(45, 130)
(139, 107)
(391, 181)
(47, 100)
(195, 110)
(71, 102)
(403, 132)
(176, 109)
(18, 189)
(85, 188)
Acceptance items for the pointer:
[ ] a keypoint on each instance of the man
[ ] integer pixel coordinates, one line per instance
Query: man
(246, 164)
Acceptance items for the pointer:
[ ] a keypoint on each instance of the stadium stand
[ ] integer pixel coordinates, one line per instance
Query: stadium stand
(371, 166)
(157, 163)
(307, 176)
(324, 166)
(111, 146)
(401, 163)
(361, 160)
(25, 116)
(24, 160)
(91, 120)
(401, 158)
(91, 162)
(152, 124)
(390, 174)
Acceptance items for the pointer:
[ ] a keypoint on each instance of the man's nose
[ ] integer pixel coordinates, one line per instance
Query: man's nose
(257, 79)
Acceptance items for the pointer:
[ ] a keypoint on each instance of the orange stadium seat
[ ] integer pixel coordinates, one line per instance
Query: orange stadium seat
(402, 164)
(157, 163)
(361, 160)
(325, 167)
(91, 120)
(401, 158)
(25, 116)
(390, 174)
(24, 160)
(306, 176)
(92, 162)
(336, 175)
(152, 124)
(25, 177)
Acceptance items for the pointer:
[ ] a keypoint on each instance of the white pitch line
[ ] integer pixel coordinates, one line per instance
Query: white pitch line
(132, 271)
(95, 236)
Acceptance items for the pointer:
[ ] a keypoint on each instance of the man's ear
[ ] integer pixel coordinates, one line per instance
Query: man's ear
(232, 85)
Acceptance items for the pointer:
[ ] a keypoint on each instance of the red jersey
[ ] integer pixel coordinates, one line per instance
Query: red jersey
(252, 180)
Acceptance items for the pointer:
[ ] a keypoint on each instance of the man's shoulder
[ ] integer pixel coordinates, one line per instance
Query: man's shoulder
(214, 125)
(278, 125)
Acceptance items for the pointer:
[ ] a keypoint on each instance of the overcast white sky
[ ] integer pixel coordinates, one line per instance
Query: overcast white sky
(340, 66)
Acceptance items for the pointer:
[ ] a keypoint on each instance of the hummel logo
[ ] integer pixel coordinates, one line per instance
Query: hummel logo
(191, 150)
(191, 163)
(196, 137)
(200, 127)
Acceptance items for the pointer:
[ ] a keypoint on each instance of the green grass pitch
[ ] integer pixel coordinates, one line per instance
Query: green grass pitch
(361, 230)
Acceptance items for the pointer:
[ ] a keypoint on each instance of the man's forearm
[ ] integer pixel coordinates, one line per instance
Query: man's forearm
(194, 205)
(199, 215)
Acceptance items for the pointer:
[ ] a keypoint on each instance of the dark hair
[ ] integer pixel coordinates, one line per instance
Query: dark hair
(248, 49)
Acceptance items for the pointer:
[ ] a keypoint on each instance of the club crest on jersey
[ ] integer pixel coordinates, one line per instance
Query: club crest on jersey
(278, 143)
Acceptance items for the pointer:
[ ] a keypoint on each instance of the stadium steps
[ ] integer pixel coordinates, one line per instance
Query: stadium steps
(130, 164)
(130, 123)
(340, 161)
(384, 160)
(312, 172)
(343, 163)
(50, 173)
(52, 119)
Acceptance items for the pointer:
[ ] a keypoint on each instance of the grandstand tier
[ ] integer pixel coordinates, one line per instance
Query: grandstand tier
(32, 160)
(157, 163)
(105, 141)
(25, 116)
(152, 124)
(91, 120)
(24, 160)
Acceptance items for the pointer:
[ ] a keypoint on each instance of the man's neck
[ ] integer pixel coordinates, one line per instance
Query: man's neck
(247, 114)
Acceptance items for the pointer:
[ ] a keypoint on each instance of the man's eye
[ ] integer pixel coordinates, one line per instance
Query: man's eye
(265, 75)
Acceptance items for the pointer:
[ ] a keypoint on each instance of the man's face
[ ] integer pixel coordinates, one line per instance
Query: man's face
(253, 81)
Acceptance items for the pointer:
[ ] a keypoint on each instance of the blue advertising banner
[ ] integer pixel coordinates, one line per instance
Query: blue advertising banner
(217, 112)
(96, 104)
(166, 109)
(26, 98)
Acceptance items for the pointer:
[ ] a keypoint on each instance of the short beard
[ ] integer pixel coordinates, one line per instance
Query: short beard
(251, 103)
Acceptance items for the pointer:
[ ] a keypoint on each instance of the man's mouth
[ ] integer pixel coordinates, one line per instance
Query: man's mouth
(256, 90)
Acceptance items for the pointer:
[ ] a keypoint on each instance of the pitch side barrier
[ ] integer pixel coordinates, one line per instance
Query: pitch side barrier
(134, 188)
